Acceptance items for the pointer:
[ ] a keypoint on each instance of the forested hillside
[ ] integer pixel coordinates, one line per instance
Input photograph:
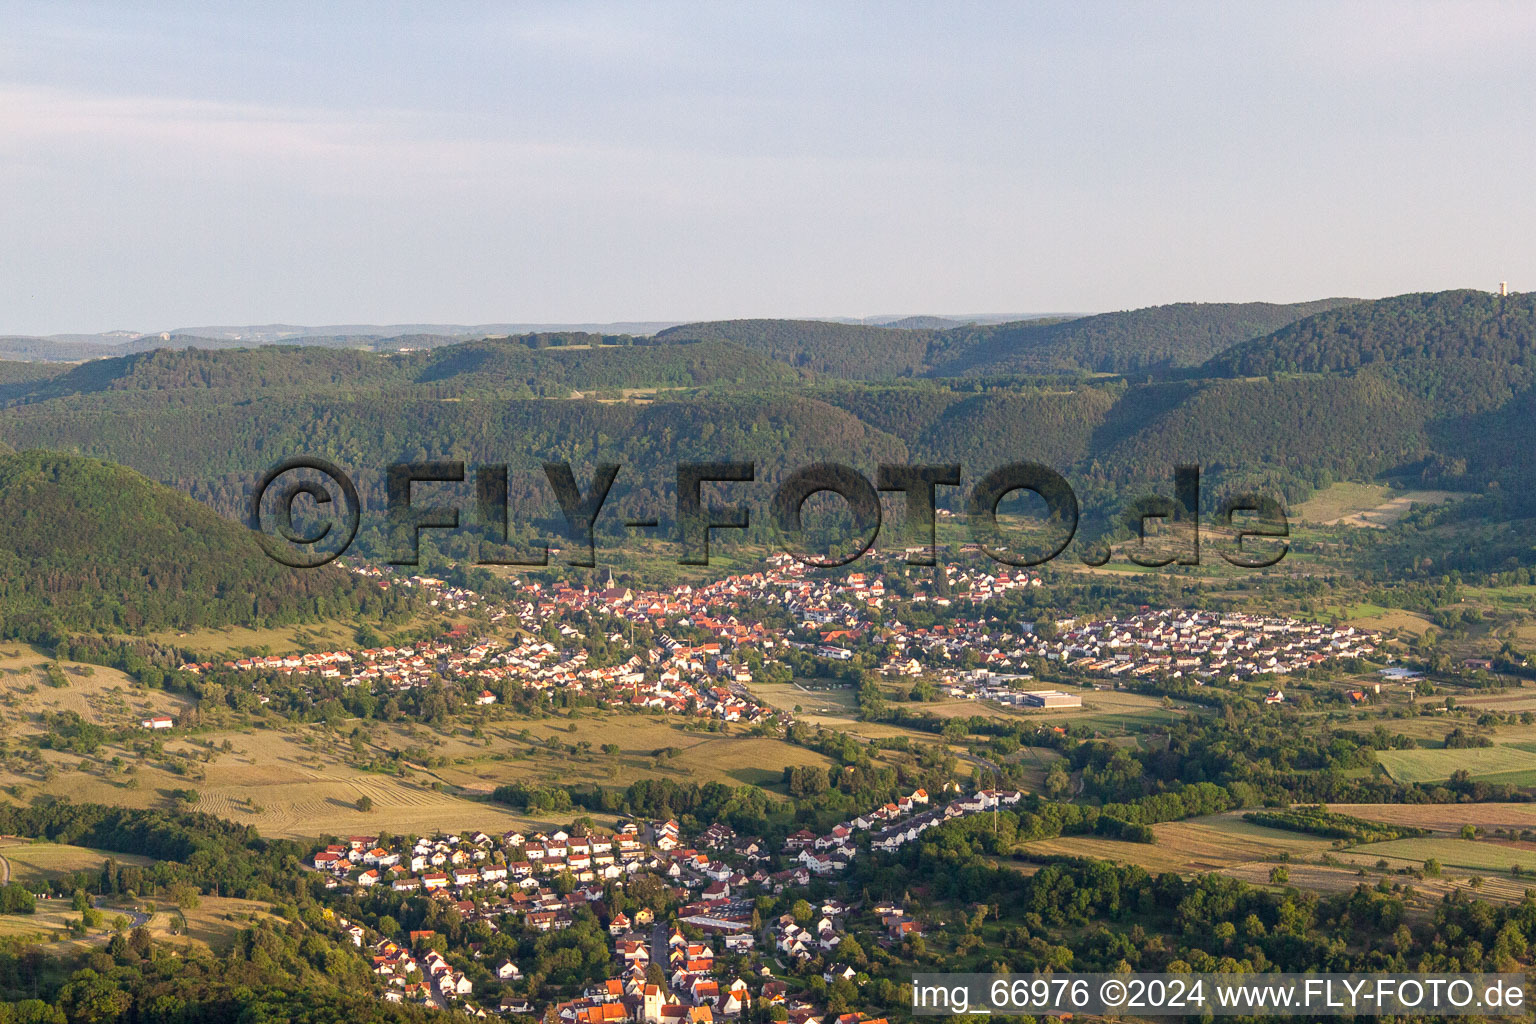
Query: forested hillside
(1462, 324)
(1184, 334)
(1425, 389)
(88, 545)
(1295, 429)
(531, 366)
(1160, 337)
(853, 351)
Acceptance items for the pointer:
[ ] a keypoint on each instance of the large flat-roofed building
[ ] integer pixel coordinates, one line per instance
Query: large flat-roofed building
(1052, 699)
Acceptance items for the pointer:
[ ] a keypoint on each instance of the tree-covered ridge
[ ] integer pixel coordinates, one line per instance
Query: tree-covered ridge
(240, 440)
(14, 374)
(90, 545)
(1178, 335)
(1434, 412)
(531, 366)
(1463, 324)
(1291, 431)
(245, 369)
(504, 365)
(853, 351)
(1349, 427)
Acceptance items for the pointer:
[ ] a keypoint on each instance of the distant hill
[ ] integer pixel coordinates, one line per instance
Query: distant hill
(89, 545)
(1301, 428)
(878, 348)
(852, 351)
(924, 323)
(542, 365)
(1425, 389)
(1160, 337)
(1462, 324)
(74, 348)
(263, 334)
(583, 365)
(18, 378)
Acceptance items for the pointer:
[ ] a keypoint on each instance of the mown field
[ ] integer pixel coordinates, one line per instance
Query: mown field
(213, 924)
(1228, 845)
(30, 862)
(288, 781)
(649, 746)
(231, 640)
(807, 702)
(102, 695)
(1366, 505)
(1453, 854)
(50, 924)
(1106, 709)
(326, 634)
(1492, 764)
(1339, 500)
(1446, 817)
(1213, 843)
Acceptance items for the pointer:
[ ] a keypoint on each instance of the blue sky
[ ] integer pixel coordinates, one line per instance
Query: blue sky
(205, 163)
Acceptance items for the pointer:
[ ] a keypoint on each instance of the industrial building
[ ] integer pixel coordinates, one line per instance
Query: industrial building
(1052, 699)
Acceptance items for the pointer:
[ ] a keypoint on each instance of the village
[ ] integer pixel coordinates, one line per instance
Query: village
(542, 882)
(713, 954)
(969, 657)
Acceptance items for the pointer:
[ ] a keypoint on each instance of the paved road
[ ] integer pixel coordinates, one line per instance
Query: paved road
(135, 917)
(659, 946)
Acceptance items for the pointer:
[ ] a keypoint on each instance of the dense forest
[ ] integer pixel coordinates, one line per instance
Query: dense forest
(1437, 325)
(533, 366)
(1133, 341)
(1160, 337)
(92, 545)
(1420, 389)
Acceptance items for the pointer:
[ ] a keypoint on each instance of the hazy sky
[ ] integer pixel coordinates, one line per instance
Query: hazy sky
(571, 162)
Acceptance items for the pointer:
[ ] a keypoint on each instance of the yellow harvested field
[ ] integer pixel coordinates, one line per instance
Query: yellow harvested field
(1312, 877)
(213, 924)
(102, 695)
(1339, 500)
(1396, 507)
(1154, 857)
(50, 925)
(1217, 842)
(1228, 845)
(1327, 878)
(732, 758)
(1445, 817)
(1395, 619)
(290, 802)
(30, 862)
